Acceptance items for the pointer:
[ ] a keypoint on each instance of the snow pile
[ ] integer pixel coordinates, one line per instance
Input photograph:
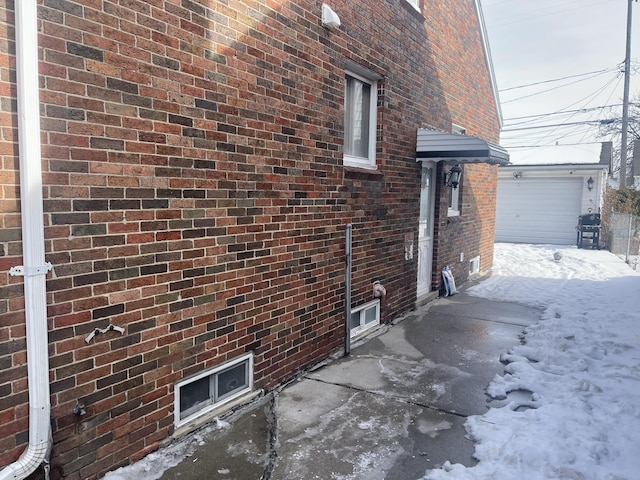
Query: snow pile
(153, 466)
(569, 404)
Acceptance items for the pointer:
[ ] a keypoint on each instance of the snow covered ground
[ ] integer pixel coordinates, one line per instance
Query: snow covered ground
(569, 406)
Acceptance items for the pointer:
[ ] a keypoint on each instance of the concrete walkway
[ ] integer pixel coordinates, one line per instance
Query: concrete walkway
(393, 409)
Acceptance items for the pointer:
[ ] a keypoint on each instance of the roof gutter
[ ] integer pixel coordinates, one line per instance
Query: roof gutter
(35, 268)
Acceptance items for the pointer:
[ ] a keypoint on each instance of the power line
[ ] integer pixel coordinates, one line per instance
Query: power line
(555, 80)
(555, 125)
(581, 130)
(606, 102)
(573, 131)
(562, 112)
(553, 88)
(500, 22)
(555, 145)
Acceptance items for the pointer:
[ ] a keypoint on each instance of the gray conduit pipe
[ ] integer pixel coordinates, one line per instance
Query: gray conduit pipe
(35, 268)
(347, 290)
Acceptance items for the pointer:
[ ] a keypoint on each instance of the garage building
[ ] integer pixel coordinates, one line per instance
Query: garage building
(541, 203)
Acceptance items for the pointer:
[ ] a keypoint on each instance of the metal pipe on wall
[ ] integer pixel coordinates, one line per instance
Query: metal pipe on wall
(347, 288)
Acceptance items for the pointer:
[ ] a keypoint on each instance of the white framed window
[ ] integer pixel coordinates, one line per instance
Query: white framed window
(474, 265)
(360, 117)
(364, 317)
(454, 194)
(202, 393)
(415, 4)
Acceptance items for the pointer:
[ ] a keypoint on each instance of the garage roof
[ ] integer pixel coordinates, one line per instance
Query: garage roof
(434, 145)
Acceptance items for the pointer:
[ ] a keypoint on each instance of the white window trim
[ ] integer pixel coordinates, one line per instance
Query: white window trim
(248, 358)
(474, 265)
(415, 4)
(354, 332)
(454, 209)
(370, 161)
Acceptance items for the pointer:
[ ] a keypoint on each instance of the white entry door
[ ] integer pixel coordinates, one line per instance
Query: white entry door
(425, 229)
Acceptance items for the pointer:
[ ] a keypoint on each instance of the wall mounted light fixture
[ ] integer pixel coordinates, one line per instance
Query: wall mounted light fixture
(590, 183)
(517, 175)
(452, 177)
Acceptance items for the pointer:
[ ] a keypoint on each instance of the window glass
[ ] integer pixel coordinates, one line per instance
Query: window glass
(357, 118)
(425, 200)
(454, 198)
(364, 317)
(361, 95)
(454, 202)
(355, 320)
(194, 394)
(370, 315)
(212, 388)
(231, 380)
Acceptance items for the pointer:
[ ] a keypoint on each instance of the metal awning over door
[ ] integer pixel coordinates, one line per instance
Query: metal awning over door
(437, 146)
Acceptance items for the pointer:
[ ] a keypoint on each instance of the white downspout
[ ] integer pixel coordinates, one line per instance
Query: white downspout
(35, 268)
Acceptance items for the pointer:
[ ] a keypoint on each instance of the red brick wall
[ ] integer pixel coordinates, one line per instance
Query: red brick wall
(464, 76)
(472, 232)
(195, 195)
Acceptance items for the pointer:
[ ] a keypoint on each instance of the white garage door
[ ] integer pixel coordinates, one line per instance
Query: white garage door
(538, 210)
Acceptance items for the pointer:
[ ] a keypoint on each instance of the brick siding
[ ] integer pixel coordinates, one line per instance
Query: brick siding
(194, 194)
(472, 232)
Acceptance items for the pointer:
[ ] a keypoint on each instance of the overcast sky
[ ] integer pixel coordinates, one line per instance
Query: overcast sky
(573, 51)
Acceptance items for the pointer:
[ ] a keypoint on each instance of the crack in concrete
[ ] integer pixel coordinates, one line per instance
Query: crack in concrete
(515, 323)
(272, 440)
(392, 397)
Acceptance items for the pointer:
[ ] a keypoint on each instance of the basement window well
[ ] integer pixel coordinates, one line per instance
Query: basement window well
(364, 318)
(212, 388)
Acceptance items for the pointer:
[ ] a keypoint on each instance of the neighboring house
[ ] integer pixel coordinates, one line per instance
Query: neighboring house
(541, 203)
(200, 162)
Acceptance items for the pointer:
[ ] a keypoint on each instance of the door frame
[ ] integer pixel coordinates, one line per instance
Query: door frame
(425, 242)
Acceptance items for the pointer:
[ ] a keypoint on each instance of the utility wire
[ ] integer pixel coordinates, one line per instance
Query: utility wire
(560, 112)
(606, 101)
(555, 125)
(500, 22)
(552, 88)
(556, 79)
(559, 145)
(551, 130)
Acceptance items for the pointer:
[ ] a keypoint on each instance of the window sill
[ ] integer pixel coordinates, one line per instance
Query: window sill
(221, 409)
(362, 173)
(413, 10)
